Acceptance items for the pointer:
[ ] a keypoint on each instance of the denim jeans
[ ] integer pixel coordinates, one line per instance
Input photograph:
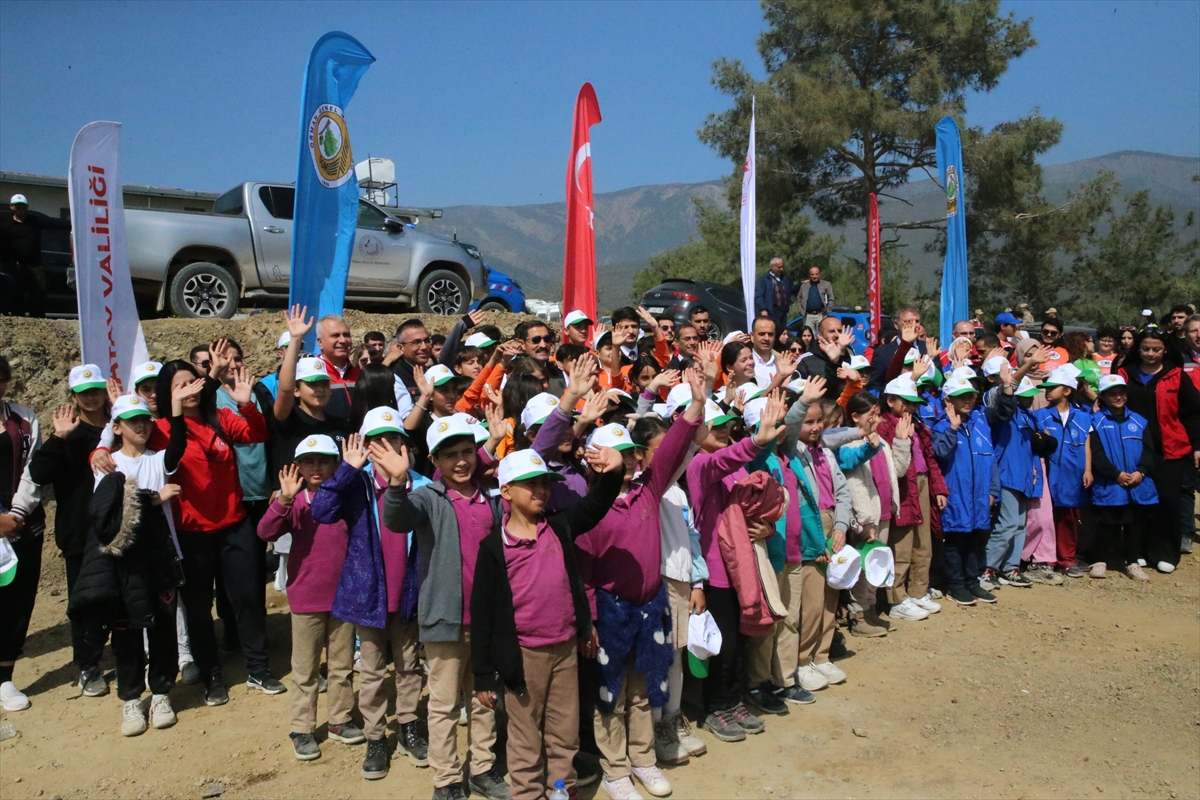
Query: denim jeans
(961, 554)
(1008, 534)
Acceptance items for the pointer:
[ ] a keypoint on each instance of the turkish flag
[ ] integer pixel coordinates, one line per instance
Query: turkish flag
(579, 261)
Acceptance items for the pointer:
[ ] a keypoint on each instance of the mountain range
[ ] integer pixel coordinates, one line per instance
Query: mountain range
(632, 225)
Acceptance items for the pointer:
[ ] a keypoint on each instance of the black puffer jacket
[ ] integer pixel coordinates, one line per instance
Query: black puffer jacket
(128, 560)
(63, 464)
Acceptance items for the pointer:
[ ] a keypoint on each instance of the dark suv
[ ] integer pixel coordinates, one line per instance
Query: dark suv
(676, 296)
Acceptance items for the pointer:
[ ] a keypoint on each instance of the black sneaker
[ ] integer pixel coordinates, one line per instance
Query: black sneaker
(766, 699)
(724, 726)
(963, 597)
(92, 682)
(189, 673)
(265, 683)
(215, 693)
(347, 733)
(749, 722)
(1013, 578)
(305, 747)
(490, 784)
(838, 648)
(585, 771)
(411, 743)
(1075, 571)
(452, 792)
(375, 765)
(983, 595)
(797, 694)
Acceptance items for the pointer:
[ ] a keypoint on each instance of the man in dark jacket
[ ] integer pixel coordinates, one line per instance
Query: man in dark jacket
(23, 287)
(773, 294)
(828, 351)
(883, 354)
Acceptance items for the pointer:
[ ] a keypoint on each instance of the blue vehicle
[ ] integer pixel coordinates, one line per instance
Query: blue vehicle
(504, 294)
(855, 319)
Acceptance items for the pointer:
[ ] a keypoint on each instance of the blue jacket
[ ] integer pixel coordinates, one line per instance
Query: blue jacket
(931, 409)
(967, 459)
(1122, 448)
(1020, 470)
(1066, 464)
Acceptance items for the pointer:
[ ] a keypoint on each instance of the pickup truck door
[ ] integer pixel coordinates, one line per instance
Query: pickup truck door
(271, 210)
(380, 262)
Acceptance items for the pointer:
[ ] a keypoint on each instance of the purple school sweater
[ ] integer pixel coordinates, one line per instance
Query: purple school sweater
(318, 551)
(554, 431)
(710, 477)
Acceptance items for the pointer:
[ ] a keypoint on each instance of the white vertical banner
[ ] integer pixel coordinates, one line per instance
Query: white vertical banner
(110, 333)
(749, 226)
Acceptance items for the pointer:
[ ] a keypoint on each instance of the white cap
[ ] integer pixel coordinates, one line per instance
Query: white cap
(752, 412)
(715, 415)
(311, 369)
(479, 340)
(481, 433)
(993, 366)
(574, 317)
(18, 199)
(1109, 381)
(318, 444)
(956, 385)
(859, 362)
(904, 387)
(1147, 312)
(843, 568)
(612, 435)
(911, 356)
(1028, 388)
(144, 372)
(128, 406)
(662, 410)
(440, 375)
(680, 397)
(1062, 377)
(285, 339)
(704, 637)
(964, 372)
(538, 409)
(447, 428)
(86, 376)
(878, 564)
(1070, 369)
(729, 337)
(383, 419)
(523, 465)
(797, 385)
(750, 391)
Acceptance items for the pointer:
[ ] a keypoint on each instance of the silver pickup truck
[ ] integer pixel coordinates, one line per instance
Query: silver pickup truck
(202, 265)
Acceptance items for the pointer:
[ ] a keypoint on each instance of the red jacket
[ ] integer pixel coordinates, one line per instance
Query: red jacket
(1170, 405)
(755, 497)
(910, 500)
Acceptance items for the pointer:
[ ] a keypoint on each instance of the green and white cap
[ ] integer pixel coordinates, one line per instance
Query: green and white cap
(86, 376)
(797, 385)
(440, 375)
(878, 563)
(285, 339)
(903, 387)
(860, 362)
(383, 419)
(1063, 376)
(752, 412)
(481, 433)
(957, 385)
(993, 366)
(1028, 388)
(679, 398)
(538, 409)
(8, 563)
(479, 340)
(128, 406)
(311, 369)
(523, 465)
(714, 415)
(843, 568)
(318, 444)
(612, 435)
(446, 428)
(575, 317)
(911, 356)
(1109, 381)
(144, 372)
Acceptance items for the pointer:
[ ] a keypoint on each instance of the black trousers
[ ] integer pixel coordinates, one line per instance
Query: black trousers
(88, 637)
(133, 662)
(17, 598)
(961, 556)
(28, 290)
(722, 687)
(237, 551)
(1122, 531)
(1163, 539)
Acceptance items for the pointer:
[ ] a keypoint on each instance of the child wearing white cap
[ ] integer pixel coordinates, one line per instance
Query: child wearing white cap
(1069, 423)
(315, 562)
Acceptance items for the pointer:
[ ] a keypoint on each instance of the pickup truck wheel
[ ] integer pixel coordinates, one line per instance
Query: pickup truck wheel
(204, 291)
(443, 292)
(493, 305)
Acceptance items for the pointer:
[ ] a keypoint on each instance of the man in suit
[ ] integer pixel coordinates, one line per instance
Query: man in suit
(883, 354)
(773, 294)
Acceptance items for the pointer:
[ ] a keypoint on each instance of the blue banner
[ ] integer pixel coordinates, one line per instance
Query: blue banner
(954, 271)
(326, 213)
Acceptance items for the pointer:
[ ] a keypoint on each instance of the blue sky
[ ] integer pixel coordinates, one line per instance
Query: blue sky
(473, 101)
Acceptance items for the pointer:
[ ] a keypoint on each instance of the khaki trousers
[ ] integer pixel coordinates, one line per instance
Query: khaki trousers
(543, 722)
(912, 549)
(818, 604)
(626, 736)
(449, 675)
(310, 634)
(372, 700)
(786, 648)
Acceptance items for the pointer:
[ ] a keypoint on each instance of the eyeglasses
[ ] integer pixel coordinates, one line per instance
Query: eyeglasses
(1049, 333)
(426, 340)
(548, 339)
(205, 364)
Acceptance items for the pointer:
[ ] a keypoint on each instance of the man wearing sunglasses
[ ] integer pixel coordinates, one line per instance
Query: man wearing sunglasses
(539, 342)
(1051, 339)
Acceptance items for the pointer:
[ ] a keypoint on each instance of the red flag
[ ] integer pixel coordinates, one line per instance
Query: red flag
(874, 278)
(579, 262)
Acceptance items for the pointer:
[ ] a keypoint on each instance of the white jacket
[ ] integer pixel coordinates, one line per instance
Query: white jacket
(864, 497)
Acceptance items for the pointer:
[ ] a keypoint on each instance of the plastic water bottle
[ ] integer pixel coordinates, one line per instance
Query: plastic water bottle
(560, 791)
(9, 731)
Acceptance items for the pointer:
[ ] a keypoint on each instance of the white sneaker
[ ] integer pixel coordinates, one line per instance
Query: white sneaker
(652, 778)
(1141, 562)
(908, 609)
(926, 604)
(161, 713)
(1165, 567)
(810, 678)
(133, 722)
(935, 594)
(831, 672)
(12, 698)
(621, 789)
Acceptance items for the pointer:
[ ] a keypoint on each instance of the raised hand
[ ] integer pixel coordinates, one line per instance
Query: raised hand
(814, 389)
(424, 387)
(953, 416)
(297, 324)
(353, 452)
(904, 428)
(668, 377)
(770, 424)
(785, 365)
(66, 419)
(218, 359)
(497, 427)
(113, 385)
(290, 484)
(604, 459)
(595, 405)
(846, 337)
(648, 318)
(920, 367)
(695, 382)
(846, 374)
(1006, 377)
(494, 397)
(477, 316)
(908, 331)
(392, 465)
(243, 382)
(582, 377)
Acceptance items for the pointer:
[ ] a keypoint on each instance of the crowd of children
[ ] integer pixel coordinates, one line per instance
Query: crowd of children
(550, 541)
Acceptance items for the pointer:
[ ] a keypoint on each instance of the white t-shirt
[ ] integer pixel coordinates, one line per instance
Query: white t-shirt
(150, 472)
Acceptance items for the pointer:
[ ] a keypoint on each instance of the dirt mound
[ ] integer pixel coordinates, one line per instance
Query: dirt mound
(42, 351)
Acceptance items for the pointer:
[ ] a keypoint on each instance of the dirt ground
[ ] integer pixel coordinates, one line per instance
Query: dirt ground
(1091, 689)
